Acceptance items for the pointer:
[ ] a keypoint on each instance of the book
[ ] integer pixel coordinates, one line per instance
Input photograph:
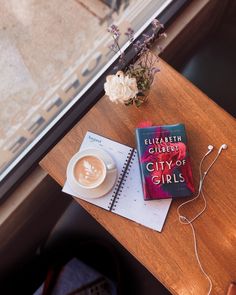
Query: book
(126, 197)
(164, 162)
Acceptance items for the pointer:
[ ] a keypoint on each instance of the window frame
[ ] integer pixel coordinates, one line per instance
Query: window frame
(72, 114)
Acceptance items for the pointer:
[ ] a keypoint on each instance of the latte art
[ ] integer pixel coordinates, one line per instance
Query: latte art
(89, 171)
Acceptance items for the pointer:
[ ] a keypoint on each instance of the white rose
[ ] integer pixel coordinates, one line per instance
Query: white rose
(120, 88)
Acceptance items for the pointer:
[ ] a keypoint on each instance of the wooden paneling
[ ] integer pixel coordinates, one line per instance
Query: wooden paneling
(169, 255)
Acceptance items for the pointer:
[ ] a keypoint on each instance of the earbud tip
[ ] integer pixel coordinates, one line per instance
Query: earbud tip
(210, 147)
(224, 146)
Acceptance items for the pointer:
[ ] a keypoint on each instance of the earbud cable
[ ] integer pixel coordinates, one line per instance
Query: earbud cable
(185, 220)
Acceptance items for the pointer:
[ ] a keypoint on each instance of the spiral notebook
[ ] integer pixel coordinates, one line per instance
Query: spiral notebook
(126, 197)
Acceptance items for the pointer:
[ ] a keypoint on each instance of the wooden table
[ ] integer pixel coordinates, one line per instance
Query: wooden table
(169, 255)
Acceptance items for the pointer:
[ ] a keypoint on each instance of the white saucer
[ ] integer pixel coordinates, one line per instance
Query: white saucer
(107, 184)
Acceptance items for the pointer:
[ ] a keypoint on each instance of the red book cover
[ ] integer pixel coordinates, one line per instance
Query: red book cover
(164, 162)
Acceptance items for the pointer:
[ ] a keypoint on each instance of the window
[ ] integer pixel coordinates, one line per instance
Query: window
(51, 52)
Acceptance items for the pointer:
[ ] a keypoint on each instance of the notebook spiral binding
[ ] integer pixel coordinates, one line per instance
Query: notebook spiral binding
(121, 180)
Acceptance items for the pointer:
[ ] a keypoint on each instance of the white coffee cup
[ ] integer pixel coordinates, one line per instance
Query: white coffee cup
(88, 169)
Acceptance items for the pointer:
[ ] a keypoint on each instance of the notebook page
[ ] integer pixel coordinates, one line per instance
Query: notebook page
(131, 204)
(117, 151)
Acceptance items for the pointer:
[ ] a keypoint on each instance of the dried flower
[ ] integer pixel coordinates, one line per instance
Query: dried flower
(130, 34)
(115, 31)
(156, 25)
(130, 86)
(120, 88)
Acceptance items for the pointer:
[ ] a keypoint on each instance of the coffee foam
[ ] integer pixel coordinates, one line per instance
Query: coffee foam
(89, 171)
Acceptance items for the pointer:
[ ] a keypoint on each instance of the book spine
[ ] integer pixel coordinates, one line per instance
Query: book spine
(138, 145)
(121, 180)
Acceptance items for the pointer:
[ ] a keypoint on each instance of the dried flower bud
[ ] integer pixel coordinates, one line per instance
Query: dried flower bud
(113, 29)
(155, 70)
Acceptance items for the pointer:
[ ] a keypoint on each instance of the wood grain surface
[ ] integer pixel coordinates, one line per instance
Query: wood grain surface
(169, 255)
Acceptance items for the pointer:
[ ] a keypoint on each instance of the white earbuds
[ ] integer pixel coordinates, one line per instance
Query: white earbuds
(185, 220)
(223, 147)
(210, 147)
